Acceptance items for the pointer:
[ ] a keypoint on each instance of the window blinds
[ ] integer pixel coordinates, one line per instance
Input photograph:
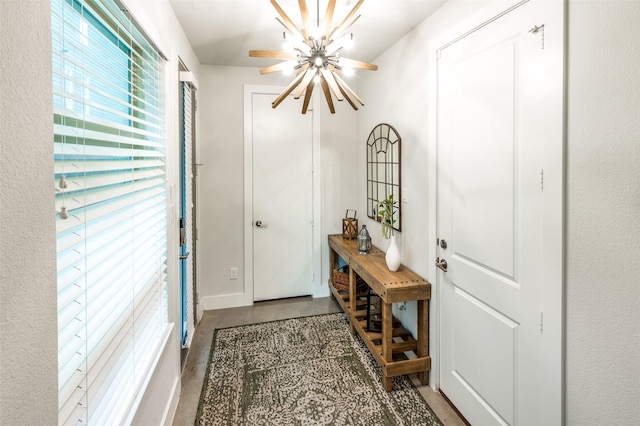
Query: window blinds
(109, 155)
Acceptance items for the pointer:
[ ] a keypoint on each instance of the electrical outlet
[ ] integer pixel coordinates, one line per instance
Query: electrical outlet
(233, 273)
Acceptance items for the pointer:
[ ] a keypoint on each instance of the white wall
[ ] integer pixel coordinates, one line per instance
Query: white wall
(221, 188)
(603, 213)
(28, 293)
(602, 360)
(28, 331)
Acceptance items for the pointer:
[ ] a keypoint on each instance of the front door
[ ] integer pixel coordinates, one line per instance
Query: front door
(282, 199)
(490, 218)
(187, 212)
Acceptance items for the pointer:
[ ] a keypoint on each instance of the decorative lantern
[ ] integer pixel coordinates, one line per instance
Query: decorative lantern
(349, 226)
(364, 241)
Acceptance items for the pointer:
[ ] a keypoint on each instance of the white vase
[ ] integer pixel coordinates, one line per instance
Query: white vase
(393, 255)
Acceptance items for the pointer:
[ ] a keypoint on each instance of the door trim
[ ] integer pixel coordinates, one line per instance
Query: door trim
(249, 91)
(552, 350)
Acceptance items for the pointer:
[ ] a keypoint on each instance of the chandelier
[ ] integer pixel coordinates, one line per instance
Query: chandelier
(315, 55)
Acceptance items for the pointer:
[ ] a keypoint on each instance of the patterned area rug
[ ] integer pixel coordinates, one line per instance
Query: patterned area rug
(302, 371)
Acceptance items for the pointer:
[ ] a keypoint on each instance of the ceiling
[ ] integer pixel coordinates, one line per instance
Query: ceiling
(222, 32)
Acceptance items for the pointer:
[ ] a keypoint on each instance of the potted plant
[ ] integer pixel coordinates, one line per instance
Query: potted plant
(385, 211)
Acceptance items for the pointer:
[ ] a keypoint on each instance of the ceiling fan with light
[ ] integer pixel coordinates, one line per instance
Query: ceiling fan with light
(315, 55)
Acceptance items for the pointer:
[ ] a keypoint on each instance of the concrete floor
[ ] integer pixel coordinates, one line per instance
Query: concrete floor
(196, 363)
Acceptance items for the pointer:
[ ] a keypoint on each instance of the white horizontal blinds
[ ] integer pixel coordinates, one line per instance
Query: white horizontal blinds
(109, 153)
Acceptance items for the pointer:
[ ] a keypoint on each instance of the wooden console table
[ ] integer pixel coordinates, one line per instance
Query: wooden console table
(389, 346)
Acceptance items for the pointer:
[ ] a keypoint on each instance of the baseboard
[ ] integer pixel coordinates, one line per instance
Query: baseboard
(172, 407)
(224, 301)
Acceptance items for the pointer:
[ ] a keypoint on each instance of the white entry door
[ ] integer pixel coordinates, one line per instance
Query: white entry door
(282, 199)
(490, 218)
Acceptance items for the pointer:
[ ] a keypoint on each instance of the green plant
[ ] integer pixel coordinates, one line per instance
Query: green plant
(386, 210)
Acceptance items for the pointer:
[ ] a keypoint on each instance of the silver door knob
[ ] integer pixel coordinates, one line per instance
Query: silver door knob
(442, 264)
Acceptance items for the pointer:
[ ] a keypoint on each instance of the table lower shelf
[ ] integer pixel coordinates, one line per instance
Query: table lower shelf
(404, 346)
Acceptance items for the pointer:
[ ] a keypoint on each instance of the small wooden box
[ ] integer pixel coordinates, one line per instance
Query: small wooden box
(349, 228)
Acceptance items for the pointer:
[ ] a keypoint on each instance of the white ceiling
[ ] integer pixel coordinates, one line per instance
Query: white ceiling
(223, 31)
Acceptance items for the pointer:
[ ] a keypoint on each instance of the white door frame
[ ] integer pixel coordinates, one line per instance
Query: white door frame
(249, 91)
(552, 351)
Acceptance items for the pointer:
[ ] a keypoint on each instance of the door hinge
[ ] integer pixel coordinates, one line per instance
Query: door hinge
(541, 179)
(539, 29)
(541, 322)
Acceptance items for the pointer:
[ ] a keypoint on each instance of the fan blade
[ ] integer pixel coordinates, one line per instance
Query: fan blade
(327, 95)
(328, 17)
(328, 76)
(345, 87)
(278, 67)
(335, 35)
(272, 54)
(348, 93)
(357, 64)
(340, 28)
(308, 75)
(307, 96)
(305, 17)
(287, 21)
(296, 81)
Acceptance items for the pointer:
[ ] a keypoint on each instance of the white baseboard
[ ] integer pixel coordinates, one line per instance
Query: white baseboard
(235, 300)
(172, 407)
(225, 301)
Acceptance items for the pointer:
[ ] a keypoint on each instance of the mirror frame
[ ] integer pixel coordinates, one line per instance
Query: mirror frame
(384, 170)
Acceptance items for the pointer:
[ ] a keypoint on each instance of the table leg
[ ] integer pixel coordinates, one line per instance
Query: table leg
(387, 336)
(423, 337)
(332, 266)
(352, 300)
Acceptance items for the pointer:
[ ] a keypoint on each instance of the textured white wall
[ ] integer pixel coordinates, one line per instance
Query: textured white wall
(28, 348)
(603, 214)
(28, 309)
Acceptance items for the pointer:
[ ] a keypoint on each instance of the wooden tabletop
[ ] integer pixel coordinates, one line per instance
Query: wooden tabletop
(400, 286)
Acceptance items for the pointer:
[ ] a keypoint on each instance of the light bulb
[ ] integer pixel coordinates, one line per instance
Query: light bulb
(316, 79)
(318, 61)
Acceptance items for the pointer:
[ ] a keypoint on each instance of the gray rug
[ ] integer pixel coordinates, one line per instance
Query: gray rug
(302, 371)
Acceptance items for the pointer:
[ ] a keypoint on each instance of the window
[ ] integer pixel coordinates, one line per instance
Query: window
(112, 211)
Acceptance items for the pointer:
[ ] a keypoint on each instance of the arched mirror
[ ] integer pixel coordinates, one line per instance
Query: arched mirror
(383, 171)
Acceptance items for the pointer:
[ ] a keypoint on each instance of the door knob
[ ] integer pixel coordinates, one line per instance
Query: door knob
(260, 224)
(442, 264)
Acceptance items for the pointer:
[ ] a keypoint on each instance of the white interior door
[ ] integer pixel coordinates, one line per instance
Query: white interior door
(282, 199)
(490, 218)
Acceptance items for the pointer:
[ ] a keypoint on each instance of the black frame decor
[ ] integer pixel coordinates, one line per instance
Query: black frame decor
(384, 170)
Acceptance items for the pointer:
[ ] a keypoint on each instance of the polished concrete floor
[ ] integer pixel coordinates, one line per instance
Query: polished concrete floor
(196, 362)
